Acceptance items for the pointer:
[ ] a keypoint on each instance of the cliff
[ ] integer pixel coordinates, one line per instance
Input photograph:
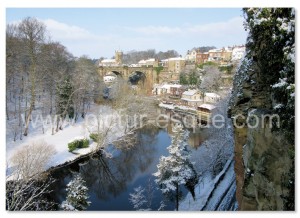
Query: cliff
(262, 109)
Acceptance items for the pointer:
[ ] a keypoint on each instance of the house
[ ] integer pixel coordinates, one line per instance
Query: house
(108, 62)
(171, 89)
(113, 62)
(148, 62)
(211, 97)
(191, 98)
(109, 78)
(205, 112)
(191, 55)
(201, 57)
(218, 55)
(176, 65)
(176, 91)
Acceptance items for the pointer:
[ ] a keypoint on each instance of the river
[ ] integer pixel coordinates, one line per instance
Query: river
(110, 180)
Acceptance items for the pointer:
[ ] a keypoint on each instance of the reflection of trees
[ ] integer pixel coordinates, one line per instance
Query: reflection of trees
(109, 176)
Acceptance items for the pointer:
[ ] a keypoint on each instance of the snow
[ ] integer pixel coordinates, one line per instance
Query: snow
(278, 106)
(176, 59)
(172, 107)
(190, 92)
(212, 193)
(281, 83)
(108, 61)
(61, 139)
(191, 100)
(212, 95)
(207, 106)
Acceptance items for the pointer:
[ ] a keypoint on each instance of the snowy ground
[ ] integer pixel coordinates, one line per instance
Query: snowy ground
(213, 193)
(61, 139)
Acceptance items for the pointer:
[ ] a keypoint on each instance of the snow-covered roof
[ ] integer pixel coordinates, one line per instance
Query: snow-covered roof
(177, 59)
(215, 50)
(164, 60)
(168, 86)
(207, 106)
(191, 100)
(190, 92)
(150, 60)
(108, 61)
(212, 95)
(109, 77)
(142, 62)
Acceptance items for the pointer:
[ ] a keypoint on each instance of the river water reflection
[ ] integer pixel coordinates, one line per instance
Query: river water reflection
(111, 180)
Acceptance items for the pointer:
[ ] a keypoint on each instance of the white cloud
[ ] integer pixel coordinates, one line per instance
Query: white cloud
(233, 25)
(230, 26)
(62, 31)
(155, 30)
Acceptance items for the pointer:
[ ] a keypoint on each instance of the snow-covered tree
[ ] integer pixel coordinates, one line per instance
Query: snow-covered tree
(77, 196)
(176, 169)
(138, 198)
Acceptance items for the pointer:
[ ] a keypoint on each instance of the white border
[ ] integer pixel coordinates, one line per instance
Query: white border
(127, 3)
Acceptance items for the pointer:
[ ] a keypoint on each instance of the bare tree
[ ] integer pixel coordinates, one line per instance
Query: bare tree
(30, 187)
(29, 195)
(211, 80)
(31, 160)
(32, 33)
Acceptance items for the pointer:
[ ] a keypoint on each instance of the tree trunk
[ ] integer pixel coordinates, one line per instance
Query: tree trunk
(177, 197)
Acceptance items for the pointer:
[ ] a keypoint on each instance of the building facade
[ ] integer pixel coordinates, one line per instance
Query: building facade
(191, 98)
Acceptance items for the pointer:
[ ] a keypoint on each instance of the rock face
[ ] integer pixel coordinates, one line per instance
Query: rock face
(261, 155)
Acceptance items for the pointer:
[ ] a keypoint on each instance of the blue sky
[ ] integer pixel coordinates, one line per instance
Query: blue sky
(99, 32)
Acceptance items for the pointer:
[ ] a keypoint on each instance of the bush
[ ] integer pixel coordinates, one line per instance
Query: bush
(94, 137)
(78, 143)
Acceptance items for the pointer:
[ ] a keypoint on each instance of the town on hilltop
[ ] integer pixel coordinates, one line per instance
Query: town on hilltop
(191, 84)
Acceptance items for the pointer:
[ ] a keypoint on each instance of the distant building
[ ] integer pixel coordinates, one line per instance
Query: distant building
(171, 89)
(113, 62)
(191, 55)
(176, 65)
(109, 78)
(191, 98)
(210, 97)
(202, 57)
(238, 52)
(205, 112)
(176, 91)
(220, 55)
(148, 62)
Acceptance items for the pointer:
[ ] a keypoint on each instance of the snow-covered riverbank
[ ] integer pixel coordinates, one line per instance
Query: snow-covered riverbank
(61, 139)
(213, 193)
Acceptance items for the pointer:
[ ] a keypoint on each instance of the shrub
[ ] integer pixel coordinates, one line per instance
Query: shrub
(94, 137)
(78, 143)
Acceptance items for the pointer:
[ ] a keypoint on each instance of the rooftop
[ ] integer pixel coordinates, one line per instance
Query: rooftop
(190, 92)
(207, 106)
(108, 60)
(211, 94)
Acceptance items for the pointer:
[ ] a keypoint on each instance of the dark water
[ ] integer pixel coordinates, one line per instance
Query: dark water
(111, 180)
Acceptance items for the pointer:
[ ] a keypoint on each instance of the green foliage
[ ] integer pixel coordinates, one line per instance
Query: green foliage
(193, 78)
(183, 79)
(209, 63)
(228, 69)
(271, 52)
(94, 137)
(77, 193)
(78, 143)
(158, 69)
(64, 94)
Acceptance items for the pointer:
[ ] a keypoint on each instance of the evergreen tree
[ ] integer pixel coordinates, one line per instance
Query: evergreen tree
(77, 196)
(182, 79)
(176, 169)
(64, 94)
(138, 198)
